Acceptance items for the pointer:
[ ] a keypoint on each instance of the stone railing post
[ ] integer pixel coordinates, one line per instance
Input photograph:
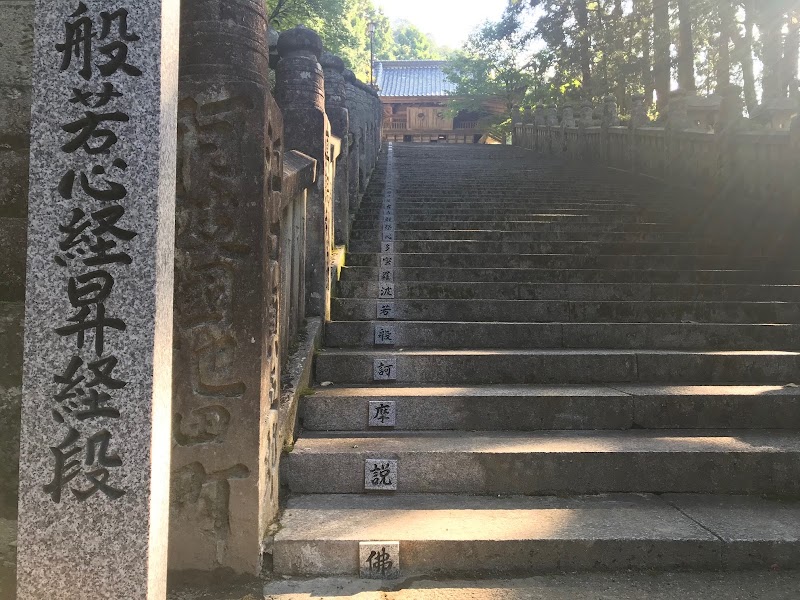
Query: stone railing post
(586, 121)
(300, 91)
(677, 122)
(610, 119)
(638, 119)
(339, 117)
(226, 362)
(356, 141)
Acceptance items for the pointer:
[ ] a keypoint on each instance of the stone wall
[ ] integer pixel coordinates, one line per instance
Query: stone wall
(16, 47)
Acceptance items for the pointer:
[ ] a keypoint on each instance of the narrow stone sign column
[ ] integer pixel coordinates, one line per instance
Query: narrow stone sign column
(95, 448)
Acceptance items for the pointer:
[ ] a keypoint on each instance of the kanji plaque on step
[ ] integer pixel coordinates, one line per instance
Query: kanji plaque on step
(380, 474)
(385, 335)
(387, 247)
(386, 275)
(385, 290)
(386, 310)
(379, 560)
(382, 413)
(384, 369)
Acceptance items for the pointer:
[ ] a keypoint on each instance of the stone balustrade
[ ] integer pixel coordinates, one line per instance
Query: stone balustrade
(739, 159)
(266, 187)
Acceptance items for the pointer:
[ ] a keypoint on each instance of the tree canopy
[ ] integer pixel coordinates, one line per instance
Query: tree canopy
(591, 48)
(343, 27)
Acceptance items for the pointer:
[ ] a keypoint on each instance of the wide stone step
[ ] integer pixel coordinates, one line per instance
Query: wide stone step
(543, 227)
(455, 367)
(531, 408)
(540, 224)
(585, 247)
(488, 235)
(558, 311)
(455, 335)
(544, 275)
(572, 261)
(480, 536)
(552, 462)
(404, 288)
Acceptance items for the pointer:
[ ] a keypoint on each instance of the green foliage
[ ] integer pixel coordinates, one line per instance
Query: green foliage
(494, 73)
(343, 27)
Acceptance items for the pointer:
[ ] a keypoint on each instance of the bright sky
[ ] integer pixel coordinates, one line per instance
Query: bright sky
(449, 22)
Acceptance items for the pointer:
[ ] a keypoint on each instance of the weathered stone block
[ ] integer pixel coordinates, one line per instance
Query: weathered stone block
(227, 383)
(16, 47)
(11, 318)
(12, 259)
(94, 455)
(13, 184)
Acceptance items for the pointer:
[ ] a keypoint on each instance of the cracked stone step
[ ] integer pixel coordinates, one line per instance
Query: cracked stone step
(552, 462)
(561, 366)
(531, 408)
(473, 536)
(670, 336)
(488, 235)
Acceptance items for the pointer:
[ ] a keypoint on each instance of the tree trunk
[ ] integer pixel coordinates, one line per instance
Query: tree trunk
(686, 80)
(643, 26)
(661, 58)
(743, 48)
(725, 33)
(770, 23)
(791, 54)
(581, 12)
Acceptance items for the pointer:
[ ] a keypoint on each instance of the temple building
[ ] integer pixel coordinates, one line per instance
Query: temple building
(414, 94)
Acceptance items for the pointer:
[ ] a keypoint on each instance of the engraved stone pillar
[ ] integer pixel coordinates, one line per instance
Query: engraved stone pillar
(677, 112)
(527, 115)
(95, 453)
(336, 109)
(300, 86)
(226, 381)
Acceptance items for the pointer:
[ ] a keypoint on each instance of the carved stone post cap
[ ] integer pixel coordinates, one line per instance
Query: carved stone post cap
(350, 77)
(587, 104)
(332, 62)
(298, 40)
(638, 97)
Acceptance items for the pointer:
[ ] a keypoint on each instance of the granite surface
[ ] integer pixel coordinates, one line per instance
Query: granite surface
(95, 451)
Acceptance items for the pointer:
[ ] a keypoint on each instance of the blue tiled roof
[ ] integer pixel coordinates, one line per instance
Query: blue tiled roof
(412, 78)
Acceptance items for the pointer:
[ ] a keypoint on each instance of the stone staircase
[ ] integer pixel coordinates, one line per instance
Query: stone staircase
(579, 378)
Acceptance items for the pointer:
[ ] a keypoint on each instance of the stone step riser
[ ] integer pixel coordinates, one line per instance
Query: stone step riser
(537, 413)
(578, 276)
(527, 226)
(586, 261)
(553, 472)
(641, 336)
(578, 292)
(510, 558)
(590, 248)
(551, 311)
(577, 367)
(372, 235)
